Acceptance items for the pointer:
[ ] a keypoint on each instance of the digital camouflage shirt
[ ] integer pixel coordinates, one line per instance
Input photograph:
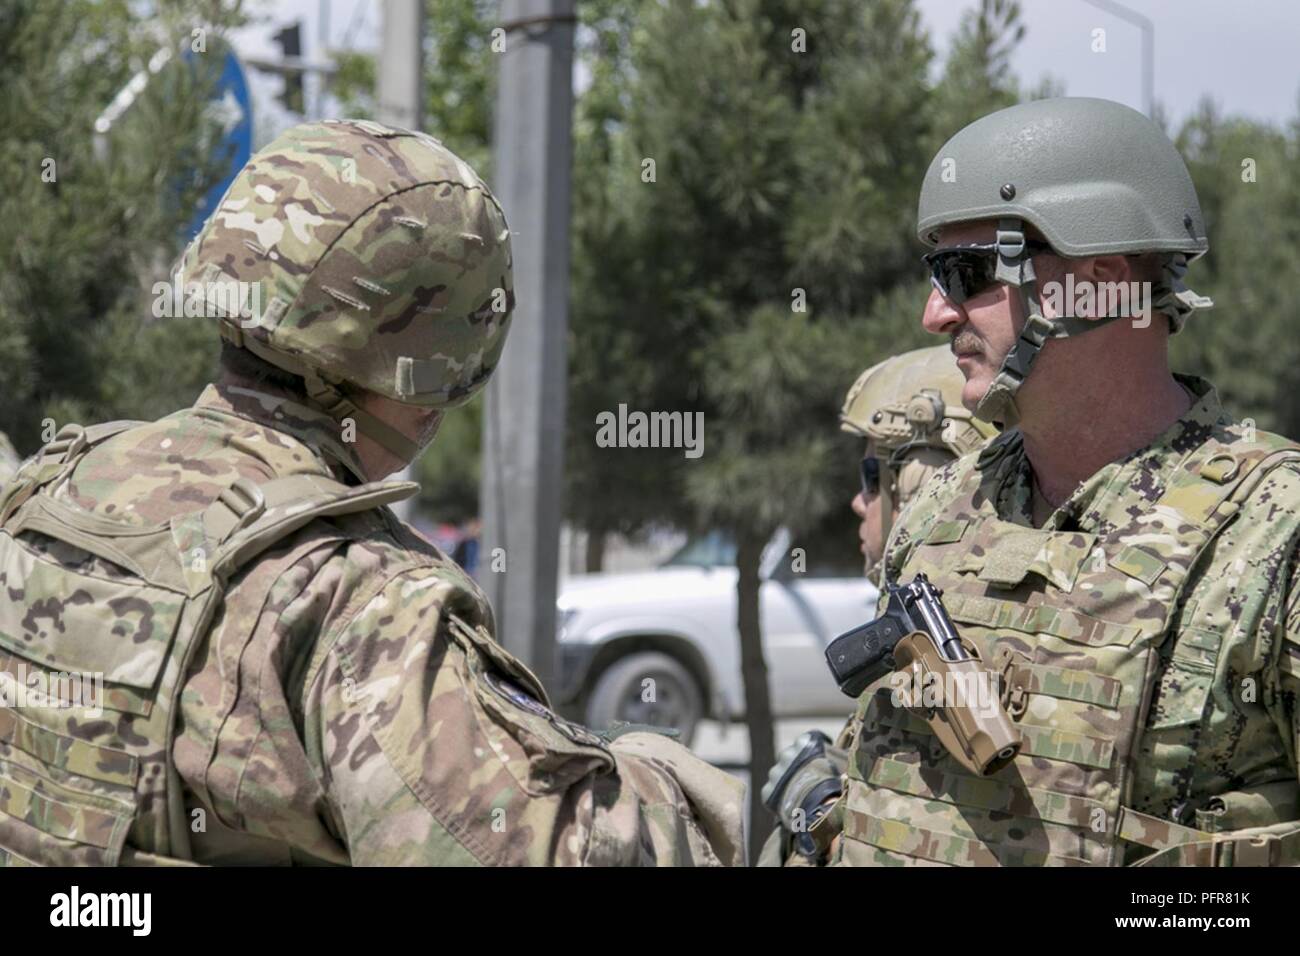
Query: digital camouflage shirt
(1223, 716)
(360, 712)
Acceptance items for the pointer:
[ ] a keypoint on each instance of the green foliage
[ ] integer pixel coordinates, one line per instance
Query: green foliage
(1244, 344)
(459, 78)
(84, 238)
(354, 83)
(771, 449)
(977, 77)
(769, 261)
(859, 152)
(449, 471)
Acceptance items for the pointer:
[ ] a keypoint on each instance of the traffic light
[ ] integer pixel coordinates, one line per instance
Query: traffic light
(290, 43)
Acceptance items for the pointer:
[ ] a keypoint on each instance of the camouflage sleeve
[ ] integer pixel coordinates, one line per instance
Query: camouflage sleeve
(434, 750)
(1287, 713)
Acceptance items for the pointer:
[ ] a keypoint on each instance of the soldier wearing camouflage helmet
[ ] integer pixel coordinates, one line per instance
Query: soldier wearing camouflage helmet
(908, 408)
(1124, 557)
(289, 673)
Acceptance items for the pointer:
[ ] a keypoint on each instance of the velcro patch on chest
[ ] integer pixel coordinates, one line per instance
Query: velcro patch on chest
(1010, 558)
(1055, 556)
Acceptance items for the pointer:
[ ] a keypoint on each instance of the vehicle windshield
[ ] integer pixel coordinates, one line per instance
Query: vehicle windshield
(712, 550)
(828, 550)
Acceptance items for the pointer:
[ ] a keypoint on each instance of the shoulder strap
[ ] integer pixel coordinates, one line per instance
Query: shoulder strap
(1211, 484)
(247, 518)
(54, 461)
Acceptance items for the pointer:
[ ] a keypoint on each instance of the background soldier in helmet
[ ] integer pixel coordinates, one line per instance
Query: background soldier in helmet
(909, 410)
(1125, 555)
(292, 675)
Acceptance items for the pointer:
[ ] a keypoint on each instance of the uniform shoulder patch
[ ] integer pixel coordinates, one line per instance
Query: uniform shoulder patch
(516, 695)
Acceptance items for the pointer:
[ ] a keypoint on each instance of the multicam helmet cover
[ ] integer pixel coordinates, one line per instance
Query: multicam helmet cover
(362, 257)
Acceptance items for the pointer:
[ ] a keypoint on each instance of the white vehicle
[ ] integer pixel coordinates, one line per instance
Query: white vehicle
(661, 647)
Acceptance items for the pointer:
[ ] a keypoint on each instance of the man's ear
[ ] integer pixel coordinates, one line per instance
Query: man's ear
(1109, 269)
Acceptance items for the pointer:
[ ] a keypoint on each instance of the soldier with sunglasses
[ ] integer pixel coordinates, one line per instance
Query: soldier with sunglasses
(1123, 555)
(908, 408)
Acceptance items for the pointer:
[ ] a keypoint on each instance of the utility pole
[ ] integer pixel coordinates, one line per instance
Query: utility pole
(1148, 48)
(322, 51)
(523, 422)
(401, 65)
(305, 80)
(400, 96)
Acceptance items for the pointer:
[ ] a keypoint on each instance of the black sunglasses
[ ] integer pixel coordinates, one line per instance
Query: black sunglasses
(963, 272)
(871, 466)
(870, 476)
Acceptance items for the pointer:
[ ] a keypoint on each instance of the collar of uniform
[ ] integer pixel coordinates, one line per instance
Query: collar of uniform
(1145, 471)
(271, 408)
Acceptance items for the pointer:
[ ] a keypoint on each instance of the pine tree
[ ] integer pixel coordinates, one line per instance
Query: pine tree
(84, 232)
(1250, 197)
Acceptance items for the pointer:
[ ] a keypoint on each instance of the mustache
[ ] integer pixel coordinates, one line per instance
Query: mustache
(966, 342)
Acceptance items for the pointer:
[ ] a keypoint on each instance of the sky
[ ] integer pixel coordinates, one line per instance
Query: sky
(1245, 54)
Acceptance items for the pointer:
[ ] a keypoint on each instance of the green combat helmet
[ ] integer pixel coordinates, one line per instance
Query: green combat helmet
(1095, 178)
(365, 259)
(910, 405)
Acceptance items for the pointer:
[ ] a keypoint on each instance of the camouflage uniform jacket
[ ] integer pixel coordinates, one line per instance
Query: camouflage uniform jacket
(349, 706)
(1217, 746)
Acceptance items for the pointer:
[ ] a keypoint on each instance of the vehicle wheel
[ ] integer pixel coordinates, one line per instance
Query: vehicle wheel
(621, 690)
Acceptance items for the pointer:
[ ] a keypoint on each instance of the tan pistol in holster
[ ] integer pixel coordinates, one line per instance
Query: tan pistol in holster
(940, 678)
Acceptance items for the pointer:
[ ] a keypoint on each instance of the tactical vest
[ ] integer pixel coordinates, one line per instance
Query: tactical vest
(1074, 624)
(87, 778)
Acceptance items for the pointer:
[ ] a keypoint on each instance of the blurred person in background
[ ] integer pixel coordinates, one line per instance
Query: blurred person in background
(908, 408)
(467, 547)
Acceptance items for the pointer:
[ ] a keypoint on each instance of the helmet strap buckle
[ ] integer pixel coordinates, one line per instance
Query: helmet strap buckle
(1011, 239)
(232, 333)
(1014, 267)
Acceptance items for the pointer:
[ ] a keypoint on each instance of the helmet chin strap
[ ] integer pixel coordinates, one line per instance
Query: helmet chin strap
(339, 406)
(1015, 268)
(887, 478)
(328, 397)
